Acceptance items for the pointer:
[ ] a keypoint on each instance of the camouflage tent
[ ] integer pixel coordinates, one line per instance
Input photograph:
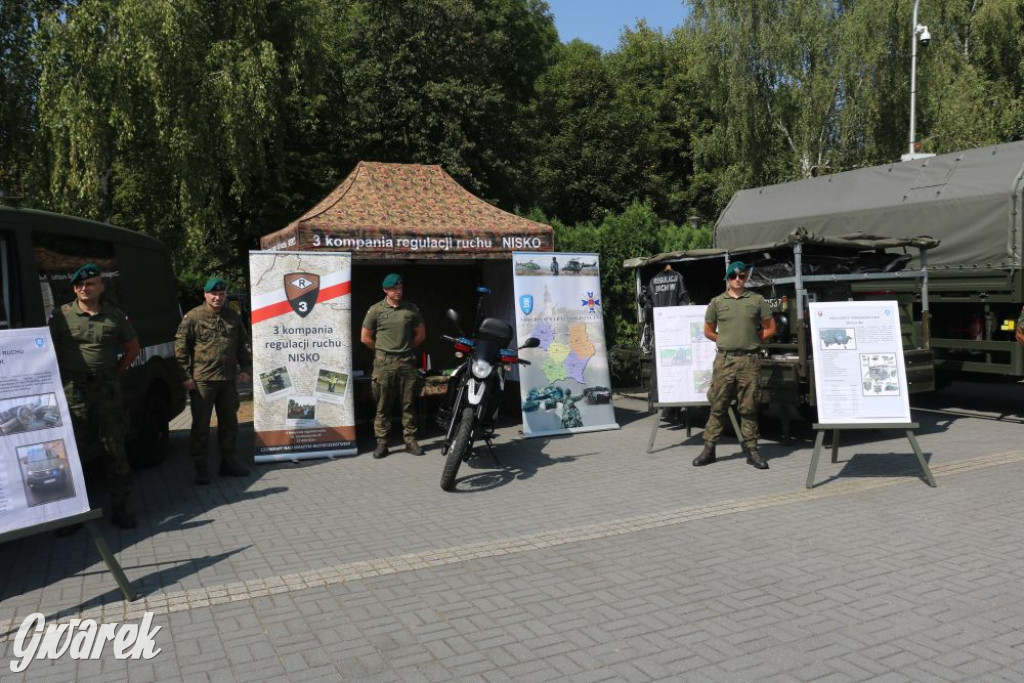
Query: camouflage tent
(409, 211)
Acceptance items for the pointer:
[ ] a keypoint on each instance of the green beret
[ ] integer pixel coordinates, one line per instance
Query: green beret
(392, 280)
(85, 272)
(215, 284)
(735, 267)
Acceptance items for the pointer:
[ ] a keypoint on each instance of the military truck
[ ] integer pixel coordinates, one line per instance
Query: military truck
(971, 201)
(38, 253)
(802, 268)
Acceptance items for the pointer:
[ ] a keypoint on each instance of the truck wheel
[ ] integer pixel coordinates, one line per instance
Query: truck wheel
(151, 446)
(460, 447)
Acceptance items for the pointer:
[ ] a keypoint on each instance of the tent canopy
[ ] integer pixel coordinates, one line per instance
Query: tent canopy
(969, 201)
(384, 211)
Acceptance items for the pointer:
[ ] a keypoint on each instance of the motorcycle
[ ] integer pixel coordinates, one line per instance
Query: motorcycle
(475, 389)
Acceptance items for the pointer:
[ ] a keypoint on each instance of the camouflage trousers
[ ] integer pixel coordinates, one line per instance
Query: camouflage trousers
(736, 377)
(207, 396)
(98, 417)
(395, 377)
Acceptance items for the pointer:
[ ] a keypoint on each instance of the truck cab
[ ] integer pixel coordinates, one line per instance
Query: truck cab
(38, 253)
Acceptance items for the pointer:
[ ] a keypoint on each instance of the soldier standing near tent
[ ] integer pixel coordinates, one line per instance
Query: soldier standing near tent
(212, 349)
(393, 329)
(731, 322)
(88, 335)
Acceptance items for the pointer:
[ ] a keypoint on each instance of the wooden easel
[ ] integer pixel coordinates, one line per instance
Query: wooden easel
(88, 520)
(908, 428)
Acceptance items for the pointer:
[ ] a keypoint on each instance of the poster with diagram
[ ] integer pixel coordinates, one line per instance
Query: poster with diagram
(683, 355)
(41, 476)
(859, 372)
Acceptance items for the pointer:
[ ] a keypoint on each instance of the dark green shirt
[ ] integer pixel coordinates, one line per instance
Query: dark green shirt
(89, 344)
(737, 320)
(393, 328)
(211, 347)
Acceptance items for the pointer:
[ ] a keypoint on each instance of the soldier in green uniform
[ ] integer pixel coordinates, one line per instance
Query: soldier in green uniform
(212, 348)
(88, 336)
(393, 329)
(732, 321)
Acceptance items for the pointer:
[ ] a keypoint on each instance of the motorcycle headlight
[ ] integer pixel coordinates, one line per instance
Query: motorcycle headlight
(481, 368)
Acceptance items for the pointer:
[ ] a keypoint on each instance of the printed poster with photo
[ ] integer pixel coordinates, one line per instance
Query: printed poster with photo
(859, 373)
(40, 473)
(567, 388)
(303, 406)
(684, 356)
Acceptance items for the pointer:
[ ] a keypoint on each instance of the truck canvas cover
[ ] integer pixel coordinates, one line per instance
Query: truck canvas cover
(970, 202)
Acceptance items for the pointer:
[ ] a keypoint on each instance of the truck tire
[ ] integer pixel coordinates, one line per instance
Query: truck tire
(460, 448)
(151, 446)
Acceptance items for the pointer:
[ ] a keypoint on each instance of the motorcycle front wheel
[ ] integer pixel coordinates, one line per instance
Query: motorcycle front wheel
(460, 448)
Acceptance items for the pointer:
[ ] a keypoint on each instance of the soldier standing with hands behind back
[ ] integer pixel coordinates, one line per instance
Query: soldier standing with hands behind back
(88, 335)
(393, 329)
(731, 322)
(212, 349)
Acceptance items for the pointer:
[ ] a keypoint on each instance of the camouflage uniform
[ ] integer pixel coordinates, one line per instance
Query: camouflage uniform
(87, 348)
(210, 348)
(737, 367)
(394, 364)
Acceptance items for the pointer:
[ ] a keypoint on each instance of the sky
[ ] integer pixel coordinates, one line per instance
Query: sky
(600, 21)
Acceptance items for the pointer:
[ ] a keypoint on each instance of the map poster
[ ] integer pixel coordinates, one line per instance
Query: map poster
(859, 373)
(40, 474)
(567, 387)
(683, 355)
(303, 399)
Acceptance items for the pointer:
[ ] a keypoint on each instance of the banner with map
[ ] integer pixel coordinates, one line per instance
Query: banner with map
(567, 387)
(302, 355)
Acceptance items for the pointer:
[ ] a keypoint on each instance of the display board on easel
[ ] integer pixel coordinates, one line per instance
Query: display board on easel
(683, 356)
(684, 362)
(860, 375)
(859, 371)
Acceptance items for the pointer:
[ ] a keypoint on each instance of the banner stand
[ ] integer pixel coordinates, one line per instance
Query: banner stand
(908, 428)
(659, 408)
(87, 519)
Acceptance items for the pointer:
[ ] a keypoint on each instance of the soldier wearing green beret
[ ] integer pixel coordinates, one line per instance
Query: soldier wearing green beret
(212, 349)
(95, 343)
(731, 321)
(393, 329)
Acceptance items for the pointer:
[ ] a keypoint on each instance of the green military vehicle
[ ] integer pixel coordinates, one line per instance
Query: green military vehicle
(972, 202)
(38, 253)
(801, 268)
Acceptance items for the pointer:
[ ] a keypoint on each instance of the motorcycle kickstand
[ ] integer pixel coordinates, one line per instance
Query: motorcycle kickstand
(490, 448)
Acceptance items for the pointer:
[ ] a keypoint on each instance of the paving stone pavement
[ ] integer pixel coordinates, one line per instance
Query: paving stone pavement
(580, 558)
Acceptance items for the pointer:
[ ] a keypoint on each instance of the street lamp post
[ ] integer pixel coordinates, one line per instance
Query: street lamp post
(918, 33)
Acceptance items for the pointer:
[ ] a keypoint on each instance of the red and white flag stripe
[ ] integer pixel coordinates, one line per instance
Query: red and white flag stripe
(275, 303)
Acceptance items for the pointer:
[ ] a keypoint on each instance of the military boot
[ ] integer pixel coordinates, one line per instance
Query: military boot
(706, 457)
(202, 474)
(754, 459)
(381, 451)
(121, 515)
(230, 468)
(412, 446)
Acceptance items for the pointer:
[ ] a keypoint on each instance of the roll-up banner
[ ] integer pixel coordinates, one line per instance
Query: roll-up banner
(303, 393)
(40, 474)
(567, 388)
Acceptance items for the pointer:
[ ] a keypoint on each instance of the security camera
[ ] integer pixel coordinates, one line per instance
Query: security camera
(923, 35)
